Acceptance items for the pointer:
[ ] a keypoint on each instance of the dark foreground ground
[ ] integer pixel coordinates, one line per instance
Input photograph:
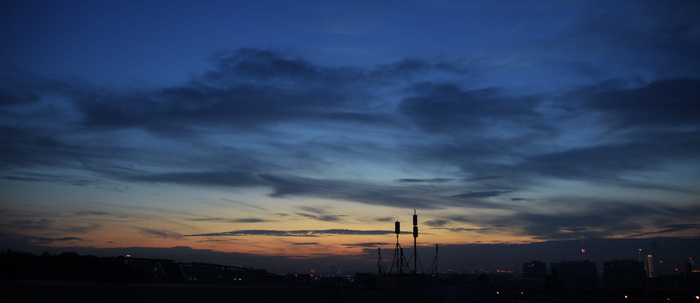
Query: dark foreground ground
(79, 292)
(41, 291)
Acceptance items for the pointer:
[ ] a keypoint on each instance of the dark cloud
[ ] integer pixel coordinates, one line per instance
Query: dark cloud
(15, 88)
(256, 66)
(245, 204)
(27, 223)
(596, 218)
(326, 218)
(295, 233)
(315, 210)
(448, 107)
(350, 190)
(26, 147)
(605, 162)
(84, 229)
(318, 213)
(671, 228)
(46, 241)
(92, 213)
(226, 220)
(443, 180)
(668, 103)
(481, 194)
(433, 180)
(436, 222)
(251, 89)
(209, 178)
(461, 229)
(159, 233)
(367, 244)
(663, 35)
(72, 180)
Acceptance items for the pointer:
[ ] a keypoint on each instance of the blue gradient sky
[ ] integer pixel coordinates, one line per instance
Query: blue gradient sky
(304, 129)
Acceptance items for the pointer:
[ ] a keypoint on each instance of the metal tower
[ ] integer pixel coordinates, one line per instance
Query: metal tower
(381, 266)
(434, 266)
(399, 262)
(415, 258)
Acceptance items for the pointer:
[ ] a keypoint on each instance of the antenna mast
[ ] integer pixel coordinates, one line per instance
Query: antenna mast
(399, 261)
(434, 266)
(415, 237)
(380, 262)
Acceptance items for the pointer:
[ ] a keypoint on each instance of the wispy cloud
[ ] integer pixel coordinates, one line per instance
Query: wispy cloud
(227, 220)
(367, 244)
(295, 233)
(159, 233)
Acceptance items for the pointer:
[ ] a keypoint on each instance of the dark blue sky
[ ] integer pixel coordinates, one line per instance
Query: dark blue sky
(304, 129)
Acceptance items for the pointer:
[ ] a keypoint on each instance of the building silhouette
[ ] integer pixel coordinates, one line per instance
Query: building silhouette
(582, 272)
(621, 275)
(535, 269)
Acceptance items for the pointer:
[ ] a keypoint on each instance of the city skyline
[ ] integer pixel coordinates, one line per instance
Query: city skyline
(302, 131)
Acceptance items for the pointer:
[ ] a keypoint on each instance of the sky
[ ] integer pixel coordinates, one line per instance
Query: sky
(300, 131)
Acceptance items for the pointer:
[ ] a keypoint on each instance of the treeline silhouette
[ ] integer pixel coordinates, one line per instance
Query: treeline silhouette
(19, 265)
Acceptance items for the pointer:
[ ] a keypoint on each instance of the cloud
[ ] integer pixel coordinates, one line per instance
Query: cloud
(433, 180)
(448, 107)
(46, 241)
(367, 244)
(72, 180)
(245, 204)
(225, 220)
(84, 229)
(665, 41)
(210, 178)
(436, 222)
(318, 213)
(264, 120)
(667, 103)
(481, 194)
(159, 233)
(249, 89)
(671, 228)
(326, 218)
(295, 233)
(608, 162)
(461, 229)
(306, 243)
(595, 218)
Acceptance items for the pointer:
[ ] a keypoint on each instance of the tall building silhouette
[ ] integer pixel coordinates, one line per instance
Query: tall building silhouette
(535, 269)
(623, 275)
(583, 272)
